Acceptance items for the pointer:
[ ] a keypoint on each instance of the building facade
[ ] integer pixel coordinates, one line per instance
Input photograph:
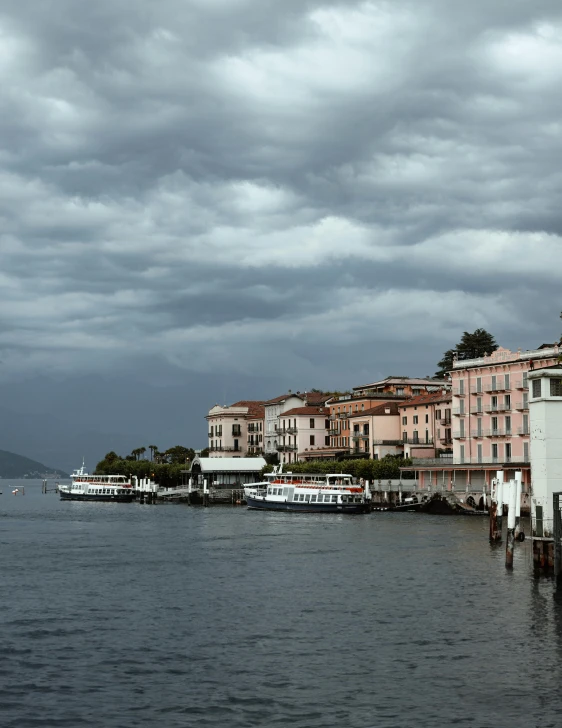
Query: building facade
(276, 407)
(426, 425)
(230, 428)
(490, 419)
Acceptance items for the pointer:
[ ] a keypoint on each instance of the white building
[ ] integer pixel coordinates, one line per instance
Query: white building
(230, 427)
(302, 430)
(276, 407)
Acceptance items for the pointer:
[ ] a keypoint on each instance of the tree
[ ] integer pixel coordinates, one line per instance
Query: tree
(471, 346)
(153, 449)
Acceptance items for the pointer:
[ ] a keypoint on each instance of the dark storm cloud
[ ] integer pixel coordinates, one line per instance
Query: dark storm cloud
(216, 182)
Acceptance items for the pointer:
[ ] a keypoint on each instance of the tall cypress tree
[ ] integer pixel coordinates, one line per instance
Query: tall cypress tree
(471, 346)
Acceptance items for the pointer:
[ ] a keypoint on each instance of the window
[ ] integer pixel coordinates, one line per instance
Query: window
(479, 404)
(479, 427)
(536, 387)
(426, 419)
(312, 423)
(462, 453)
(461, 386)
(437, 414)
(479, 450)
(326, 424)
(494, 406)
(525, 380)
(327, 440)
(494, 383)
(334, 499)
(307, 498)
(494, 451)
(415, 436)
(525, 425)
(556, 387)
(508, 425)
(404, 420)
(508, 451)
(212, 430)
(526, 452)
(494, 424)
(506, 381)
(313, 498)
(507, 401)
(404, 437)
(461, 407)
(415, 419)
(461, 425)
(478, 384)
(312, 440)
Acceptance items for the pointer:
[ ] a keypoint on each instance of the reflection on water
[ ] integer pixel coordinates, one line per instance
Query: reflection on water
(125, 615)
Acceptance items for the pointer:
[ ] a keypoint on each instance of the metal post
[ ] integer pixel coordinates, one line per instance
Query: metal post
(510, 541)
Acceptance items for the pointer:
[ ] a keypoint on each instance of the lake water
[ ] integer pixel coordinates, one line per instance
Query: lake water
(122, 615)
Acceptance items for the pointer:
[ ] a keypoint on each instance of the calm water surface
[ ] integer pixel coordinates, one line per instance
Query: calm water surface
(122, 615)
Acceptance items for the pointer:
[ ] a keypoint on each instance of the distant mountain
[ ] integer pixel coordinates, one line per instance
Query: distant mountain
(17, 466)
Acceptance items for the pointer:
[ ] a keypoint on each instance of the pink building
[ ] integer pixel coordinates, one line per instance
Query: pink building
(490, 419)
(425, 425)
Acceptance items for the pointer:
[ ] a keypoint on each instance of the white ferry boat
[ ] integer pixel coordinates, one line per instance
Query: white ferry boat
(85, 487)
(306, 492)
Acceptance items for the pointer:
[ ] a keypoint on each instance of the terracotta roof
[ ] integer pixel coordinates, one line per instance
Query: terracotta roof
(283, 397)
(380, 409)
(432, 398)
(323, 411)
(412, 381)
(309, 397)
(255, 407)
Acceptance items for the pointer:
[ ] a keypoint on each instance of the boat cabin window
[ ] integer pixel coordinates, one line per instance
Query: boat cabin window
(334, 499)
(307, 498)
(313, 499)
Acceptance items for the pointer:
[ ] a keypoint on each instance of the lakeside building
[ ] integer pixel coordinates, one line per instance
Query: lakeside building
(490, 419)
(344, 408)
(425, 425)
(229, 428)
(274, 410)
(302, 430)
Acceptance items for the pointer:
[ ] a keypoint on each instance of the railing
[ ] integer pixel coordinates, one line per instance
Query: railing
(477, 433)
(418, 441)
(522, 405)
(236, 433)
(360, 435)
(334, 431)
(446, 440)
(505, 407)
(523, 430)
(286, 448)
(495, 388)
(446, 462)
(388, 442)
(445, 421)
(211, 434)
(287, 431)
(458, 392)
(458, 412)
(459, 435)
(475, 389)
(476, 410)
(225, 449)
(521, 384)
(497, 432)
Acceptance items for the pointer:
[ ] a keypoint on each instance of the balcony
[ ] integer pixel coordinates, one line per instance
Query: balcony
(211, 434)
(500, 407)
(475, 389)
(498, 387)
(447, 462)
(445, 421)
(334, 431)
(360, 435)
(522, 405)
(418, 441)
(477, 433)
(497, 432)
(459, 412)
(476, 410)
(286, 448)
(458, 392)
(225, 449)
(459, 435)
(446, 440)
(523, 430)
(521, 384)
(287, 431)
(396, 443)
(236, 432)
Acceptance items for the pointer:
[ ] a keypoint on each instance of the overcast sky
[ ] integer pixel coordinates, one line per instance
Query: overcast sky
(222, 198)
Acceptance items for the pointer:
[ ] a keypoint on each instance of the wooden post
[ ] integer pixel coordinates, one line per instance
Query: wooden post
(510, 540)
(519, 489)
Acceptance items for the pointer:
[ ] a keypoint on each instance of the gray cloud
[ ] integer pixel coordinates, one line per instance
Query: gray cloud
(299, 190)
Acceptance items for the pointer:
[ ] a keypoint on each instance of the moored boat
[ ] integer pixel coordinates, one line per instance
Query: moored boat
(310, 493)
(86, 487)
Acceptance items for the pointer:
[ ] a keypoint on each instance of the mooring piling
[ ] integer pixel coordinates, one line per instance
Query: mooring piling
(511, 516)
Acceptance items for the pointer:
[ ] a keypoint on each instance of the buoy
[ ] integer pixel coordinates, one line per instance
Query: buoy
(15, 492)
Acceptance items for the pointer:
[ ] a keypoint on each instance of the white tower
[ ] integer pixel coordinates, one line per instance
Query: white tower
(545, 415)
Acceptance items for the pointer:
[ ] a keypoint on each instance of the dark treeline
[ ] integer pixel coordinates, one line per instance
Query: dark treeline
(163, 467)
(386, 469)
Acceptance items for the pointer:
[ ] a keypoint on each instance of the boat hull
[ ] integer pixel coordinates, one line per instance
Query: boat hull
(260, 504)
(123, 498)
